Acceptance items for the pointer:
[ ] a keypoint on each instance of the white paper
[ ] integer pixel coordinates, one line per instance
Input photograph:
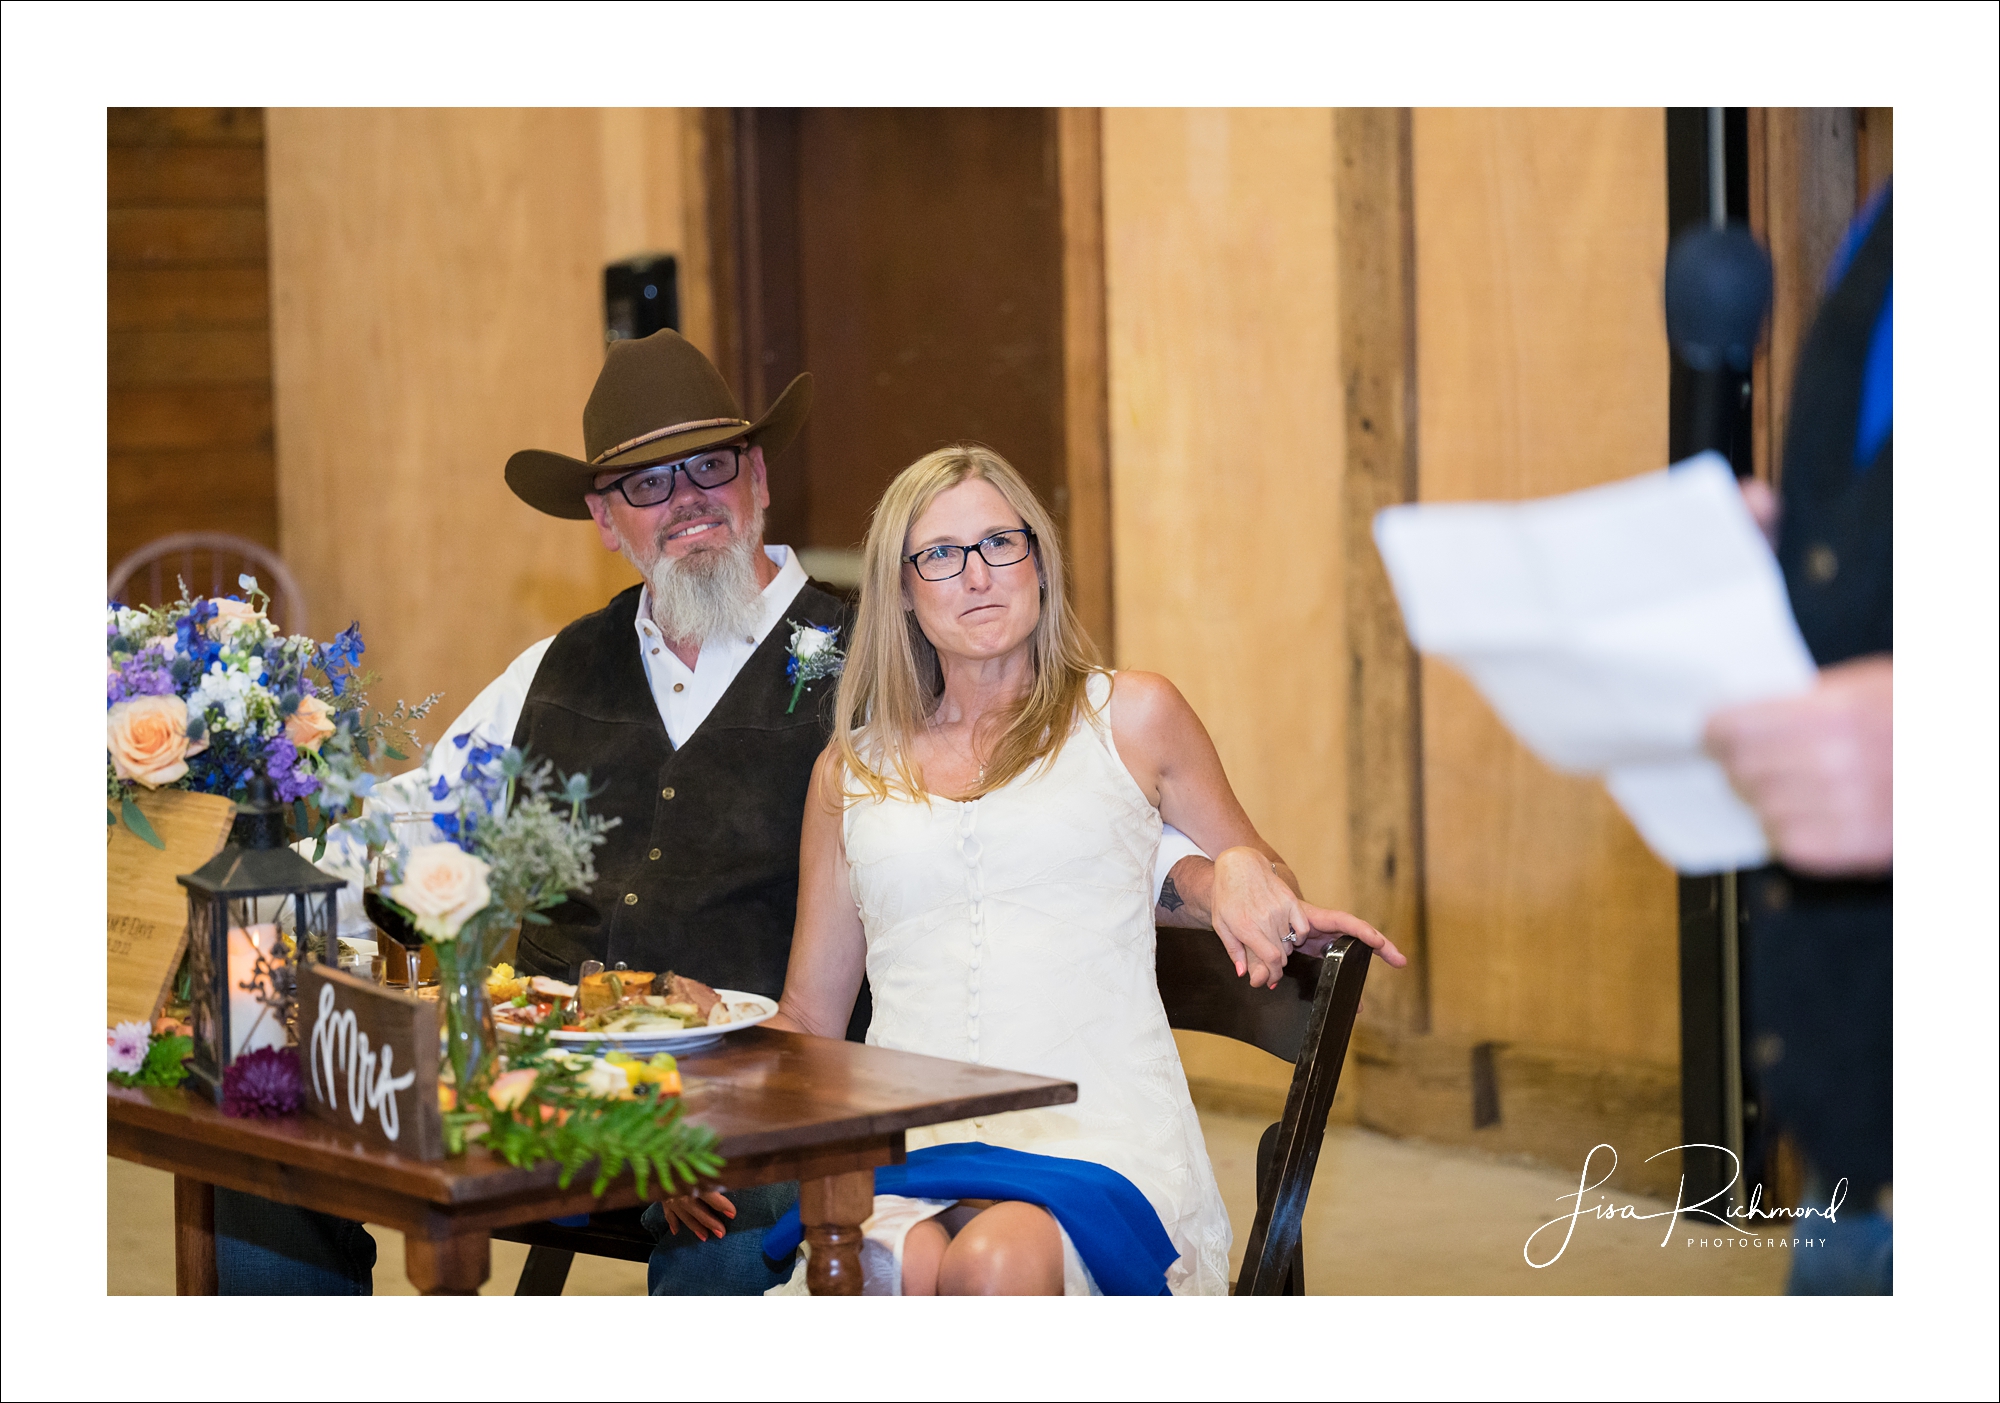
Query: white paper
(1605, 626)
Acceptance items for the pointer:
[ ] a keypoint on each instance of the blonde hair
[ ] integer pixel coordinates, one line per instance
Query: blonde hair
(893, 681)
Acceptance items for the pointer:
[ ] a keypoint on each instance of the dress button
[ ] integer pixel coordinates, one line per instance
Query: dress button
(1821, 563)
(653, 856)
(678, 687)
(631, 898)
(667, 793)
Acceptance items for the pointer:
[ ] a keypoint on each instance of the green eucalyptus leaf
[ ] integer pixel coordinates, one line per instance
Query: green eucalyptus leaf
(136, 821)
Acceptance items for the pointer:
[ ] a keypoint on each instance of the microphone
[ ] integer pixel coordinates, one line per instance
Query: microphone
(1718, 289)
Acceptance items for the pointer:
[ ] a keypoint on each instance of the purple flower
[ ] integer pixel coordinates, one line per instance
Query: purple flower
(125, 1047)
(263, 1083)
(291, 779)
(147, 673)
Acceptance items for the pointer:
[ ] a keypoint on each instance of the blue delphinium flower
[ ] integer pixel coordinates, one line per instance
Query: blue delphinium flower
(194, 650)
(341, 657)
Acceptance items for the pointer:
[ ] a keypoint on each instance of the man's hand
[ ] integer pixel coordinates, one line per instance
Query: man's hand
(688, 1212)
(1817, 768)
(1253, 909)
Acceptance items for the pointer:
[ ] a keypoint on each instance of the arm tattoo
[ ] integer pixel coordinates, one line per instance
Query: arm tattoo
(1170, 900)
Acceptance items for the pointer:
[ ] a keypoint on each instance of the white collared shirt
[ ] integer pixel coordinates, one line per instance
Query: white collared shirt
(686, 695)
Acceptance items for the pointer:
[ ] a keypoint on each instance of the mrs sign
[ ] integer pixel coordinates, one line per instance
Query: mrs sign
(370, 1059)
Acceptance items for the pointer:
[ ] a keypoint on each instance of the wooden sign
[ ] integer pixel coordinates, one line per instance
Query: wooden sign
(146, 908)
(370, 1059)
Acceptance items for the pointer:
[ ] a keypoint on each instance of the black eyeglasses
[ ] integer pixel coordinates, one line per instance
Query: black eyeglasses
(948, 562)
(653, 484)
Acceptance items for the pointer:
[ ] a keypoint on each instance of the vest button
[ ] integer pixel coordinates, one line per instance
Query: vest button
(631, 898)
(653, 856)
(667, 793)
(1822, 564)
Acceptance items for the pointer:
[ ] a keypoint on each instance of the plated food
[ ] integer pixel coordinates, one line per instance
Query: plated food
(630, 1008)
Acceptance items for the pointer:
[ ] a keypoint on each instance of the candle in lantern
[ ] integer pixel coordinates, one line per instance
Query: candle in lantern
(252, 1024)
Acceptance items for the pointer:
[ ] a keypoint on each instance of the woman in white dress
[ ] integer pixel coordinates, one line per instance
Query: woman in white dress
(980, 838)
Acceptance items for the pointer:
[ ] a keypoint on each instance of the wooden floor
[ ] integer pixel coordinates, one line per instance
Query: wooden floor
(1389, 1217)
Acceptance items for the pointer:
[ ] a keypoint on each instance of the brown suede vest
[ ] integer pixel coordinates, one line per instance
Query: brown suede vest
(701, 873)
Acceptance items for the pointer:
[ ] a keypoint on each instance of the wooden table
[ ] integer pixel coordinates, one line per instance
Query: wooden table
(783, 1106)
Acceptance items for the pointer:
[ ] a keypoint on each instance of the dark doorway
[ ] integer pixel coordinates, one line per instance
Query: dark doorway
(912, 261)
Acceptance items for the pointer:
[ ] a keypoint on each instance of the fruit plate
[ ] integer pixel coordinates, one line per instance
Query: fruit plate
(648, 1043)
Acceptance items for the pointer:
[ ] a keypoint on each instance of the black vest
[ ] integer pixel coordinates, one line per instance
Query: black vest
(1820, 966)
(701, 874)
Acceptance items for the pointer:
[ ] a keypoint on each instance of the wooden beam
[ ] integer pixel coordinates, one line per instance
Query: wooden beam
(1085, 495)
(1804, 180)
(1375, 249)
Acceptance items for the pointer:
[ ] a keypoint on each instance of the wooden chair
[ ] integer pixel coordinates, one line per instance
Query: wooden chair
(208, 562)
(1307, 1020)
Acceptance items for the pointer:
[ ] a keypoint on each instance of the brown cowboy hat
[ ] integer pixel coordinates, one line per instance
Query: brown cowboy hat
(656, 399)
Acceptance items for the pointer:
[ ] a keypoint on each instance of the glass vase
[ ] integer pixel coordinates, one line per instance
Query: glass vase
(470, 1042)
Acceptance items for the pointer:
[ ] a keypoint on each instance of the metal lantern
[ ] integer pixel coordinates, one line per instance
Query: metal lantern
(241, 905)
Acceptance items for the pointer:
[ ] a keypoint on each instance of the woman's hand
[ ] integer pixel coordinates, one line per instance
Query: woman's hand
(1254, 909)
(689, 1212)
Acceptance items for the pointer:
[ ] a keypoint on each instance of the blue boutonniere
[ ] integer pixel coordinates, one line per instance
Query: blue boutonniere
(811, 656)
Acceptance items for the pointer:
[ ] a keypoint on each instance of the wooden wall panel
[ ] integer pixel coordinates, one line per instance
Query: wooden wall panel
(1542, 368)
(1226, 447)
(437, 304)
(1375, 247)
(188, 348)
(1084, 499)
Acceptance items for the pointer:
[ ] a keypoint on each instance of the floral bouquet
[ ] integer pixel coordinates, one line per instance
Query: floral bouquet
(513, 846)
(205, 694)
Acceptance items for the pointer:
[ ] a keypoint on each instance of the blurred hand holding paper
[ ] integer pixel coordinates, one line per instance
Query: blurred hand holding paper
(1605, 626)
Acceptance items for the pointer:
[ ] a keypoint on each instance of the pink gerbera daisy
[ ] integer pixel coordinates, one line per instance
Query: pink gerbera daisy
(126, 1047)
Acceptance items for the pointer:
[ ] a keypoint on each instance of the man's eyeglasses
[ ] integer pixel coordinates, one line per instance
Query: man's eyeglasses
(654, 483)
(948, 562)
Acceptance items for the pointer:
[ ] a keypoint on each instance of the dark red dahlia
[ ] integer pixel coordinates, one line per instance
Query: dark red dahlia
(263, 1083)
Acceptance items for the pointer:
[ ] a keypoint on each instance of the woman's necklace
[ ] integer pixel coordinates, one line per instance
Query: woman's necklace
(971, 753)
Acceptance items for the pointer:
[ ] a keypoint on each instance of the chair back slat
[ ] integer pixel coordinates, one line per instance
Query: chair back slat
(1271, 1256)
(1203, 993)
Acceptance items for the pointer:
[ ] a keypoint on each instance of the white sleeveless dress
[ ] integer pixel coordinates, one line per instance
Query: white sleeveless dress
(1016, 931)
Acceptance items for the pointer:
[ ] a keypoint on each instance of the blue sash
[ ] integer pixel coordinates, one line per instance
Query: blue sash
(1115, 1229)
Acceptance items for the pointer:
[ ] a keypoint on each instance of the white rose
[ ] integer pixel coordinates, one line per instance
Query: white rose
(443, 886)
(811, 642)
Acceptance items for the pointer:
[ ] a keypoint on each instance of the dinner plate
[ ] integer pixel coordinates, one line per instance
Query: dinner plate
(645, 1044)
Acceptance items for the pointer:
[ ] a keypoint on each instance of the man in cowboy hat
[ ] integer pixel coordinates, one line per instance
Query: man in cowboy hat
(675, 699)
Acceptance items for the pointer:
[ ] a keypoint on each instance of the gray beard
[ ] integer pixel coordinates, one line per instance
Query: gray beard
(709, 593)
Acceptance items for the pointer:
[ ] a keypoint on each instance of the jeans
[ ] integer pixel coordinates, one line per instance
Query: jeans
(731, 1265)
(272, 1249)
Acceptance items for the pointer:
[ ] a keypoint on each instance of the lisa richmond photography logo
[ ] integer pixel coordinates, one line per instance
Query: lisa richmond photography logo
(1739, 1224)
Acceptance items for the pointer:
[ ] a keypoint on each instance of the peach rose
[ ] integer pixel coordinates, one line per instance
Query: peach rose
(310, 724)
(230, 615)
(443, 886)
(148, 741)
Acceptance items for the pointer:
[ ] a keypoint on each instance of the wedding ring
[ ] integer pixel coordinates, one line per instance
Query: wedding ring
(1291, 936)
